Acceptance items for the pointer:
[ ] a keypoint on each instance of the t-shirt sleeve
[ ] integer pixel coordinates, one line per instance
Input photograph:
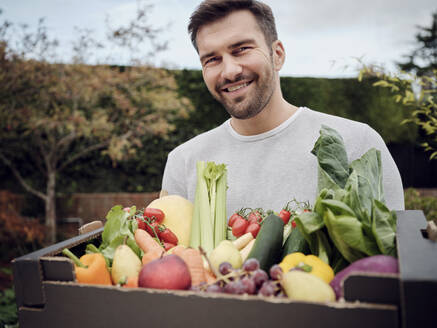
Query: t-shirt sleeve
(392, 182)
(173, 180)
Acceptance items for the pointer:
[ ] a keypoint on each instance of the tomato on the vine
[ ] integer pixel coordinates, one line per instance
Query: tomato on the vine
(234, 217)
(154, 214)
(141, 223)
(253, 228)
(152, 228)
(239, 227)
(167, 236)
(255, 217)
(168, 246)
(285, 215)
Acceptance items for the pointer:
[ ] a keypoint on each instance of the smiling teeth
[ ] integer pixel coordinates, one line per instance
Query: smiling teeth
(230, 89)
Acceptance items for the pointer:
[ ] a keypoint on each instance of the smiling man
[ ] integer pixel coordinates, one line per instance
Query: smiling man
(267, 142)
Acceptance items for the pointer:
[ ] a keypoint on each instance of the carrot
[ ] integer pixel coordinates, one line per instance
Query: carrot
(152, 255)
(146, 242)
(194, 261)
(131, 282)
(210, 278)
(151, 248)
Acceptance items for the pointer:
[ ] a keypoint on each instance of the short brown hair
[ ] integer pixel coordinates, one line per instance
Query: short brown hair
(211, 10)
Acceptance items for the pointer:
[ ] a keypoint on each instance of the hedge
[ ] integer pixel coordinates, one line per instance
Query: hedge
(344, 97)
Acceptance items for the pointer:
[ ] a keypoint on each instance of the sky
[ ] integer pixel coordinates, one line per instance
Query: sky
(322, 38)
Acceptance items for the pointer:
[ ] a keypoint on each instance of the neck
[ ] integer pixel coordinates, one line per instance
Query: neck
(277, 111)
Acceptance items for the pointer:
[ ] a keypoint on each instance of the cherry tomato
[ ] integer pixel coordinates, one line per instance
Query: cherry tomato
(284, 215)
(239, 227)
(152, 227)
(168, 246)
(293, 224)
(141, 223)
(253, 228)
(255, 217)
(155, 214)
(233, 218)
(167, 236)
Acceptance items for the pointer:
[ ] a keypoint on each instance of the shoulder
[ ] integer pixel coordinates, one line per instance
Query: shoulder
(357, 136)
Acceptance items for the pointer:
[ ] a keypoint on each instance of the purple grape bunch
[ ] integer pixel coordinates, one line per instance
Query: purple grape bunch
(250, 279)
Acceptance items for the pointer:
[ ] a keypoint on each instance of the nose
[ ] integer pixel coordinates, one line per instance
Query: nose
(231, 68)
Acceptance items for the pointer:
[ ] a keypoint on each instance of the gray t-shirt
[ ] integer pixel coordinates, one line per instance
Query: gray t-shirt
(269, 169)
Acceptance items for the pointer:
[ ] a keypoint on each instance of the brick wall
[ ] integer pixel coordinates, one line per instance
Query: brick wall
(95, 206)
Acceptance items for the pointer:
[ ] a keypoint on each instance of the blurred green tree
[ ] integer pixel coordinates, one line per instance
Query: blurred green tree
(54, 114)
(415, 86)
(423, 60)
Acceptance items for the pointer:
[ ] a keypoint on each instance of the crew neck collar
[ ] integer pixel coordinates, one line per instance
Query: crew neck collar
(266, 134)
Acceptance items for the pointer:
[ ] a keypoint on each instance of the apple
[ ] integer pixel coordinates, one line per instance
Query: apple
(167, 272)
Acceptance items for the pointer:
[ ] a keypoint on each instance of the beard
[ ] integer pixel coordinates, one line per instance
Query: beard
(253, 103)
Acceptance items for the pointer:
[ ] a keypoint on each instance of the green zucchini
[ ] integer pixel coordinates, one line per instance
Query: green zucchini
(268, 242)
(295, 243)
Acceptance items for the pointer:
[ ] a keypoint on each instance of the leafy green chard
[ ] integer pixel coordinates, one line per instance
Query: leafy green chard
(117, 228)
(349, 218)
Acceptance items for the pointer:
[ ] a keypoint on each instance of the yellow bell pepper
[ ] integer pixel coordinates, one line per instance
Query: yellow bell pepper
(308, 263)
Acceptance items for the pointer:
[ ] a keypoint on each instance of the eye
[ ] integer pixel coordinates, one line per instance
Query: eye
(210, 61)
(240, 50)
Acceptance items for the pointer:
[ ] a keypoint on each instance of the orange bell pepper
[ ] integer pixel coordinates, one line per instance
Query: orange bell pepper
(90, 268)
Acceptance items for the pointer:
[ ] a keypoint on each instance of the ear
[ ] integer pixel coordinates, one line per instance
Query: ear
(278, 53)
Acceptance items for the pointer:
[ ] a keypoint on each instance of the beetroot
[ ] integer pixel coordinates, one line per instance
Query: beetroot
(376, 263)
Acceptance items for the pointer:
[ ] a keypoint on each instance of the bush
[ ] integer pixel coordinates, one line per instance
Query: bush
(428, 204)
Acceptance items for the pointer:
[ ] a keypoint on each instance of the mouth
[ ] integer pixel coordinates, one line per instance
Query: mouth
(236, 87)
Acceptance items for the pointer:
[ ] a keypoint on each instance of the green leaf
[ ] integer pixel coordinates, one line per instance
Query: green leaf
(369, 169)
(345, 232)
(118, 228)
(309, 222)
(384, 228)
(332, 158)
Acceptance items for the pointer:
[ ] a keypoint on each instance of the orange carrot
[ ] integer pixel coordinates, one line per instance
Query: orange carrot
(194, 261)
(210, 278)
(146, 242)
(151, 248)
(131, 282)
(152, 255)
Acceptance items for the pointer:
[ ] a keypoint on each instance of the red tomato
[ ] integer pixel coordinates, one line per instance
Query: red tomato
(151, 228)
(233, 218)
(253, 228)
(167, 236)
(168, 246)
(155, 214)
(293, 224)
(141, 223)
(284, 215)
(255, 217)
(239, 227)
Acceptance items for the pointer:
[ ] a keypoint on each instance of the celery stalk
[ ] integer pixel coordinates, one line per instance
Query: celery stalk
(210, 199)
(206, 227)
(220, 220)
(195, 224)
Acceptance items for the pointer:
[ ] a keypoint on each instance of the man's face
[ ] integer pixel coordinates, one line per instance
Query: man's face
(237, 64)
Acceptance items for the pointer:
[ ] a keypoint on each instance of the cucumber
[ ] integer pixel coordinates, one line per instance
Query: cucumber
(295, 243)
(268, 242)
